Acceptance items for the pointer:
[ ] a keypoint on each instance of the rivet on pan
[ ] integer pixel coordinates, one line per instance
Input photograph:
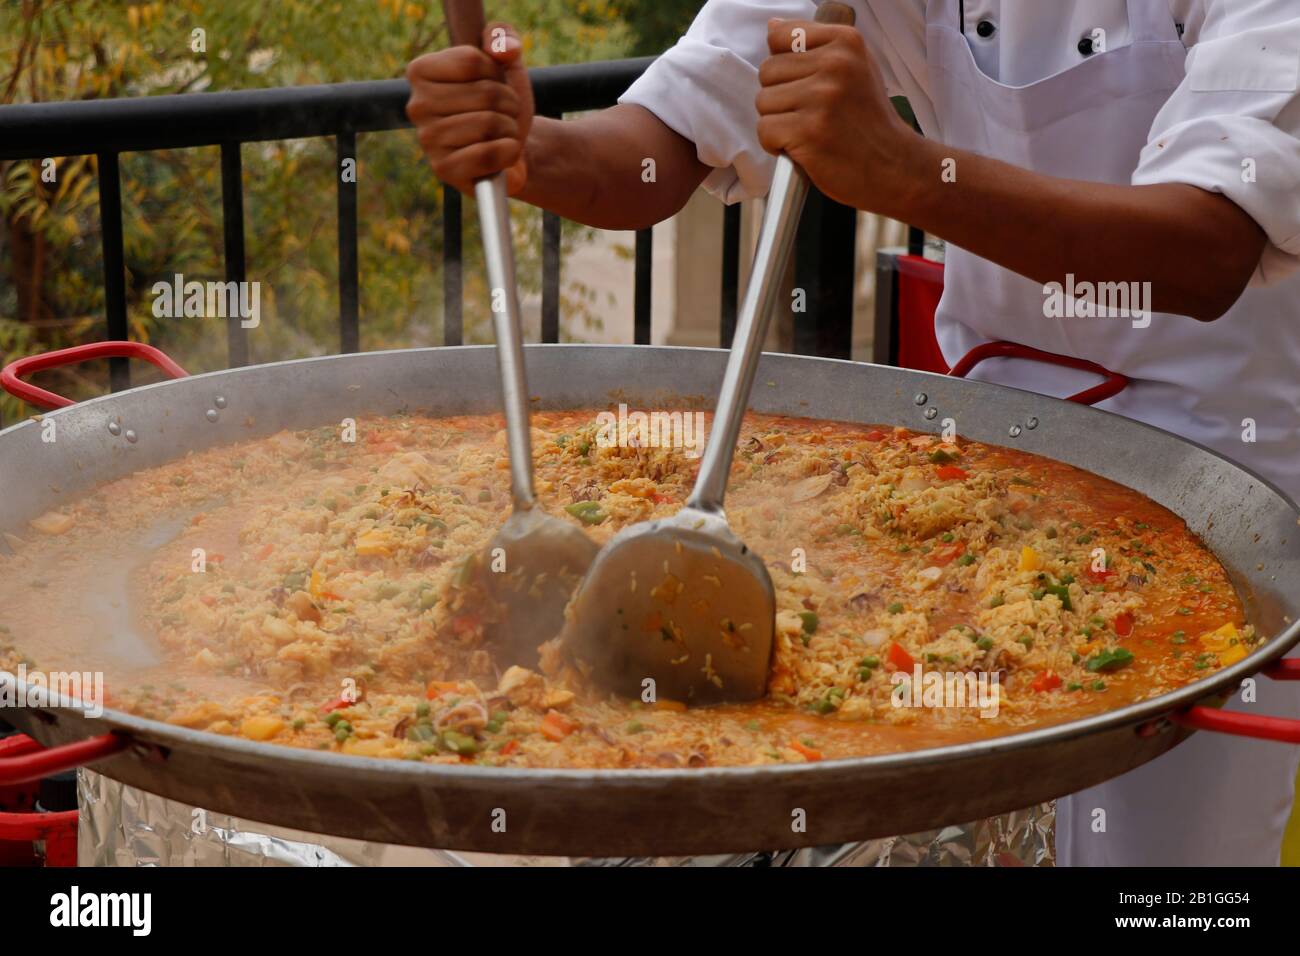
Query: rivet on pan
(1031, 424)
(1014, 431)
(1153, 727)
(131, 436)
(219, 401)
(921, 398)
(114, 429)
(212, 414)
(931, 413)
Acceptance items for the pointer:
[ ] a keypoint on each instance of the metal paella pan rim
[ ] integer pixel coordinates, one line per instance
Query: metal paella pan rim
(1139, 713)
(1247, 522)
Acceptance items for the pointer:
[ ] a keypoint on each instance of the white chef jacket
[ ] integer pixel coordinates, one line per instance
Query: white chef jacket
(1210, 800)
(1241, 86)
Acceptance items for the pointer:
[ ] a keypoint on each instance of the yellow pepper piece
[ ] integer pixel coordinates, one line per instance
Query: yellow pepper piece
(1221, 638)
(1028, 559)
(262, 727)
(1233, 654)
(374, 543)
(53, 522)
(370, 747)
(666, 704)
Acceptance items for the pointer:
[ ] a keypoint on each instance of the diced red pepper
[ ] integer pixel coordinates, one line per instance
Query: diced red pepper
(949, 554)
(436, 688)
(1124, 624)
(1046, 681)
(899, 657)
(808, 752)
(1099, 576)
(876, 435)
(951, 473)
(464, 623)
(555, 726)
(337, 704)
(509, 748)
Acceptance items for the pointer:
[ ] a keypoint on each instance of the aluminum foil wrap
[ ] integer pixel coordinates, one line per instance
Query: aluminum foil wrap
(124, 826)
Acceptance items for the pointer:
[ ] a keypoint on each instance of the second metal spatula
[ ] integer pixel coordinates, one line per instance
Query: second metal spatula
(683, 602)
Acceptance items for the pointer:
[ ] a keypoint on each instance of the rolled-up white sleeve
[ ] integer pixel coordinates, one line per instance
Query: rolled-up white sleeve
(1233, 126)
(704, 88)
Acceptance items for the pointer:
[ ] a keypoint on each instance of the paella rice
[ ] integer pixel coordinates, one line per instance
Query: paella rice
(315, 592)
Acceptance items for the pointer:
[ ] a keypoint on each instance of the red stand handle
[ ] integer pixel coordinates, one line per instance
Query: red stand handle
(1286, 669)
(36, 826)
(1114, 384)
(1280, 729)
(23, 759)
(1259, 726)
(11, 376)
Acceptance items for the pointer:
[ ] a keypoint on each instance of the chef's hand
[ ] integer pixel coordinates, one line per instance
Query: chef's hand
(826, 107)
(473, 109)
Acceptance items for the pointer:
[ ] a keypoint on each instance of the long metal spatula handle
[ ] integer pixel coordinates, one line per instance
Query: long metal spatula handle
(780, 223)
(498, 250)
(465, 24)
(785, 203)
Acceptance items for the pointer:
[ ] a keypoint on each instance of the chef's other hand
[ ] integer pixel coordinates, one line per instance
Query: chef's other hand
(826, 107)
(473, 109)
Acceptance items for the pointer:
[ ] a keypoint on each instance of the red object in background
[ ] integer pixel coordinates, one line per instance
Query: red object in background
(23, 759)
(16, 799)
(23, 821)
(920, 284)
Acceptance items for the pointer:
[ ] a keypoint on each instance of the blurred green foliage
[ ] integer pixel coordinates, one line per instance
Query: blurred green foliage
(655, 25)
(51, 283)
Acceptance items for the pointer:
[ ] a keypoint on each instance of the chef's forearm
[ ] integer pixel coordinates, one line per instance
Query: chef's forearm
(1197, 249)
(594, 169)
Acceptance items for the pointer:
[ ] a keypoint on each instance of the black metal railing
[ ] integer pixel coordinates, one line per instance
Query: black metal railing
(107, 128)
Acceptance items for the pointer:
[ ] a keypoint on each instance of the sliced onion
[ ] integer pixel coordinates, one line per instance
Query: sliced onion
(926, 577)
(810, 488)
(875, 637)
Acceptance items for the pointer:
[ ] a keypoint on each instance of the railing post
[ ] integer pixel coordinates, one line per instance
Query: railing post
(644, 276)
(552, 235)
(825, 261)
(884, 349)
(110, 232)
(453, 269)
(232, 224)
(730, 272)
(349, 299)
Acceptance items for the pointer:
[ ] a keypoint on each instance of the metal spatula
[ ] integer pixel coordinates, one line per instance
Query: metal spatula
(534, 563)
(682, 601)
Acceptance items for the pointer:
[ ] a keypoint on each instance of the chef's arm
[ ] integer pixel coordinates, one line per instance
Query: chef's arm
(621, 168)
(1197, 249)
(828, 109)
